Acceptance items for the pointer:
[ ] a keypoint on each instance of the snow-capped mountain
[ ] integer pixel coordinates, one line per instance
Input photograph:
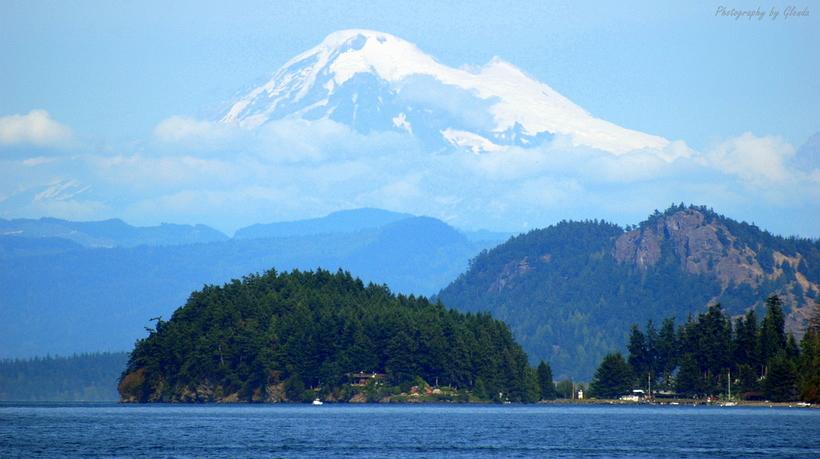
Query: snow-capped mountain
(376, 81)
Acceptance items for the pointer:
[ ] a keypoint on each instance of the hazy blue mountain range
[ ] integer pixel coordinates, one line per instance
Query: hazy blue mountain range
(345, 221)
(109, 233)
(571, 291)
(60, 297)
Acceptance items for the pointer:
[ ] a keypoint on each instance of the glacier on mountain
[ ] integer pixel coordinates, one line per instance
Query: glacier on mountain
(376, 81)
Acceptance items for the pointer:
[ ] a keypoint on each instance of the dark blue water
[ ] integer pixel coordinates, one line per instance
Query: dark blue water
(406, 431)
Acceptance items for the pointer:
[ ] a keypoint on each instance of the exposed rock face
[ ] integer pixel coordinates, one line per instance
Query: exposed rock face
(702, 248)
(275, 393)
(644, 252)
(704, 245)
(513, 270)
(205, 392)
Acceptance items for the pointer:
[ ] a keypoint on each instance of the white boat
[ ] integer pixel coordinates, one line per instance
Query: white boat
(318, 402)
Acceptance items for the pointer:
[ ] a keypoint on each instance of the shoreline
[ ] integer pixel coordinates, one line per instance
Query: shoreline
(681, 402)
(557, 402)
(567, 402)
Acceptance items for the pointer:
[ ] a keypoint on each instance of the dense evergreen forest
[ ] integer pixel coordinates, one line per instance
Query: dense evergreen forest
(299, 335)
(708, 355)
(83, 377)
(571, 292)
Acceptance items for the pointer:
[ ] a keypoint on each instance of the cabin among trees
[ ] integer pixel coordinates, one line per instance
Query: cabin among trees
(362, 379)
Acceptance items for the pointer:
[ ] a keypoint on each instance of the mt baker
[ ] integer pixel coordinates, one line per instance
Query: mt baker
(374, 81)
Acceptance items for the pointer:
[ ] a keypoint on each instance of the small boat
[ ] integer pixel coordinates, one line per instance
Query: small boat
(317, 402)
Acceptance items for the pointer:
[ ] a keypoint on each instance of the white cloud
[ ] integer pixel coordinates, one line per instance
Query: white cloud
(38, 161)
(756, 160)
(280, 141)
(34, 128)
(190, 132)
(198, 171)
(147, 172)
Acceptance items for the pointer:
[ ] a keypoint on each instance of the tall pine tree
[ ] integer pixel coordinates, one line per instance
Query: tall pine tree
(546, 385)
(667, 349)
(772, 338)
(638, 353)
(809, 380)
(613, 378)
(689, 381)
(781, 381)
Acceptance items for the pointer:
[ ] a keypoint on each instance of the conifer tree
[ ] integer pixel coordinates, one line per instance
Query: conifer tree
(744, 345)
(546, 385)
(809, 379)
(613, 378)
(689, 381)
(772, 338)
(781, 381)
(638, 353)
(714, 344)
(652, 349)
(667, 350)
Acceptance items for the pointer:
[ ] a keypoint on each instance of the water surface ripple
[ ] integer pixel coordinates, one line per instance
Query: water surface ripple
(371, 431)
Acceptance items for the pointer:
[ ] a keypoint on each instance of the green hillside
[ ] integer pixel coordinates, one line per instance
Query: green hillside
(571, 291)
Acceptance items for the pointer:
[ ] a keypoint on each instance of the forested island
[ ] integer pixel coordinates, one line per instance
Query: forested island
(298, 336)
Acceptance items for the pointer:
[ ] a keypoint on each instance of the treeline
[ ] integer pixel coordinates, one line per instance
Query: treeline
(83, 377)
(306, 331)
(709, 354)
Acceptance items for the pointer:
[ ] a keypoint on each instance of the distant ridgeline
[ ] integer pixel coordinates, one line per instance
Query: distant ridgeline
(84, 377)
(570, 292)
(296, 336)
(66, 296)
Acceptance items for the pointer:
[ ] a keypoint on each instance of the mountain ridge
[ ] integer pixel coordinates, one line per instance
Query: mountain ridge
(343, 221)
(571, 291)
(109, 233)
(60, 297)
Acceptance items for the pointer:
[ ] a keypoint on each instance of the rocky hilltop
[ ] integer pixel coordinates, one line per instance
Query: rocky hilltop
(705, 245)
(571, 291)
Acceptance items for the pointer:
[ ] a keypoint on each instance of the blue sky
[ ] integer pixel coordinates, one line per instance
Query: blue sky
(110, 72)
